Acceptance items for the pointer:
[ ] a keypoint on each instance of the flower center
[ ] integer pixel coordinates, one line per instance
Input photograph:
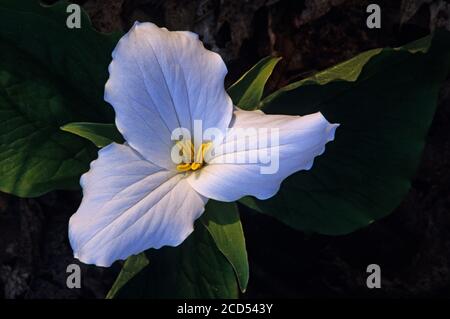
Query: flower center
(191, 160)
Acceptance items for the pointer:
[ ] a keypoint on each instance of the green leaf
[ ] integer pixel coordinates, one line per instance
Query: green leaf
(195, 269)
(49, 75)
(223, 223)
(248, 90)
(98, 133)
(348, 71)
(385, 101)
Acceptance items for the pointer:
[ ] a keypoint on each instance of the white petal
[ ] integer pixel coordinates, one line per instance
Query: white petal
(301, 139)
(161, 80)
(130, 205)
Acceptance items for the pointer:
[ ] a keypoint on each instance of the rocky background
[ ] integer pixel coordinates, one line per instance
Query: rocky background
(412, 245)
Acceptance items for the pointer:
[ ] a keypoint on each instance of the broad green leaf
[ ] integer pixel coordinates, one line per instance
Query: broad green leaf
(223, 223)
(248, 90)
(346, 71)
(385, 108)
(98, 133)
(49, 75)
(195, 269)
(132, 266)
(350, 70)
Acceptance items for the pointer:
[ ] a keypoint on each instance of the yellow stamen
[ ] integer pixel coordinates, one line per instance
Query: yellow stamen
(187, 151)
(184, 167)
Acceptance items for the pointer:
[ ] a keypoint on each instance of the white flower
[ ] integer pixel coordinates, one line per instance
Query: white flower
(134, 196)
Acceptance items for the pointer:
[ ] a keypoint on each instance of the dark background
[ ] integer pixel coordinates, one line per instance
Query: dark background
(412, 245)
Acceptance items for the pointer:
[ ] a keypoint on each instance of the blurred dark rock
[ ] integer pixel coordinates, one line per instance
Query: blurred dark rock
(105, 15)
(35, 251)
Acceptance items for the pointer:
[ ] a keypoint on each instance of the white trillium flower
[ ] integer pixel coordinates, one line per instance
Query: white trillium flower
(134, 196)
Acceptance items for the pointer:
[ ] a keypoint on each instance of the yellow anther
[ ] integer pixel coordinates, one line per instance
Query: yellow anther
(196, 166)
(183, 167)
(187, 152)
